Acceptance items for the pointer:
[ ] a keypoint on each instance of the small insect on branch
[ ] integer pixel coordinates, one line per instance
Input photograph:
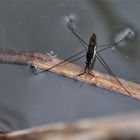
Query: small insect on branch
(92, 53)
(41, 60)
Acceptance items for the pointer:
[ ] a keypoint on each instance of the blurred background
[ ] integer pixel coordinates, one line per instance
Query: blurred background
(28, 100)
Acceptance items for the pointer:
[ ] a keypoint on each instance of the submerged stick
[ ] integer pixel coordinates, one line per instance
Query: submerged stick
(43, 61)
(120, 127)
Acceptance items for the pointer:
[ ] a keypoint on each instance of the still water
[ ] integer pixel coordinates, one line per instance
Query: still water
(27, 100)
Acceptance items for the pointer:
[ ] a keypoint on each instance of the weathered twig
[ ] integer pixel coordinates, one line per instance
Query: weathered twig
(122, 127)
(42, 61)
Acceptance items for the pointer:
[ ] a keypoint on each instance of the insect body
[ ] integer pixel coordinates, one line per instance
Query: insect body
(90, 54)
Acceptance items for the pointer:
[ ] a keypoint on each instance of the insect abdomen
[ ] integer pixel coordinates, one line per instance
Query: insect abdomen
(91, 49)
(89, 56)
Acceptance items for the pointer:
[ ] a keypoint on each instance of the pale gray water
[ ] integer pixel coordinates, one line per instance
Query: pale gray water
(40, 25)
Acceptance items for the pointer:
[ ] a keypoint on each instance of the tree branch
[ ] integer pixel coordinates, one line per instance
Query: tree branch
(42, 61)
(121, 127)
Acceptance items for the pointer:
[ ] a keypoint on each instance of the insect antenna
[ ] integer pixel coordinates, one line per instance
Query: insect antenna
(110, 72)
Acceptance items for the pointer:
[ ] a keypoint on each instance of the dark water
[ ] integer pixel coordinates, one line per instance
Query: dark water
(28, 100)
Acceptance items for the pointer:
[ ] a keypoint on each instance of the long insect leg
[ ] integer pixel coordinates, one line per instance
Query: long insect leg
(103, 49)
(91, 74)
(71, 28)
(84, 71)
(81, 41)
(83, 74)
(76, 59)
(110, 72)
(61, 62)
(84, 44)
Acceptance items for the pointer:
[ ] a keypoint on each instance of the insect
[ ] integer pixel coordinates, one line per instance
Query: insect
(91, 54)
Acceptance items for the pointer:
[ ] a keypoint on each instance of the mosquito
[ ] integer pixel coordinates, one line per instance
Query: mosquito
(91, 54)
